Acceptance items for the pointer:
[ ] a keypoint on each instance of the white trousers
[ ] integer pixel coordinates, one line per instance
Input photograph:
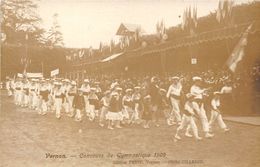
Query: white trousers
(176, 109)
(44, 107)
(25, 99)
(92, 112)
(70, 102)
(57, 106)
(202, 115)
(9, 92)
(78, 114)
(136, 112)
(103, 113)
(190, 123)
(86, 104)
(18, 97)
(217, 116)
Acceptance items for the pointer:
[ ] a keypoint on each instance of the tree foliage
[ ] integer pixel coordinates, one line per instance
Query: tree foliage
(54, 37)
(20, 19)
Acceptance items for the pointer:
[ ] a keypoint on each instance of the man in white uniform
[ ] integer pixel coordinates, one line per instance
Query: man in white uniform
(58, 95)
(85, 88)
(174, 93)
(216, 114)
(198, 105)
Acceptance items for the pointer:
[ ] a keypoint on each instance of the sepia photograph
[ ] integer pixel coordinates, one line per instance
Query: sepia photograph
(140, 83)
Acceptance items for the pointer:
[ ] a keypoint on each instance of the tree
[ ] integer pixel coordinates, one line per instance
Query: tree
(54, 37)
(20, 20)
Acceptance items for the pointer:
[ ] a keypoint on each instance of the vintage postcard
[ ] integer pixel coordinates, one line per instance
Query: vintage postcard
(118, 83)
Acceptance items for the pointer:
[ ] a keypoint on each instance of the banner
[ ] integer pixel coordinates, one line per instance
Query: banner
(34, 75)
(55, 72)
(193, 61)
(30, 75)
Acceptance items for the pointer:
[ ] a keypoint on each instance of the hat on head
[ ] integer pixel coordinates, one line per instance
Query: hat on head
(175, 78)
(86, 80)
(128, 90)
(73, 83)
(162, 90)
(114, 94)
(196, 78)
(217, 93)
(147, 97)
(118, 88)
(137, 87)
(92, 89)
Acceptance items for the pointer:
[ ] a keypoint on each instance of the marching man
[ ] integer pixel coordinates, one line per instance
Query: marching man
(25, 96)
(137, 98)
(8, 86)
(44, 93)
(33, 98)
(85, 87)
(104, 107)
(174, 94)
(188, 120)
(216, 114)
(58, 96)
(79, 104)
(198, 104)
(71, 95)
(18, 86)
(127, 102)
(93, 104)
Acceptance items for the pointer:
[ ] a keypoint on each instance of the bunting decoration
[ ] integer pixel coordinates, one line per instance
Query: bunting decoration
(101, 47)
(90, 52)
(190, 21)
(224, 11)
(81, 53)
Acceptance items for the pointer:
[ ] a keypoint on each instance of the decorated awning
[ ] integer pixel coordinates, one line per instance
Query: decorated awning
(210, 36)
(111, 57)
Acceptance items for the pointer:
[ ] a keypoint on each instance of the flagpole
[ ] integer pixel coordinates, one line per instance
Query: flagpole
(26, 54)
(42, 67)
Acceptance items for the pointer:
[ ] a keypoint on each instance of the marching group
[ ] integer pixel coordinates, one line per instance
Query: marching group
(118, 103)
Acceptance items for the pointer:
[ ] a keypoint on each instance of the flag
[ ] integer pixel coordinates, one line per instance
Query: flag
(189, 16)
(81, 53)
(195, 21)
(112, 45)
(184, 19)
(90, 53)
(239, 51)
(224, 10)
(75, 56)
(101, 47)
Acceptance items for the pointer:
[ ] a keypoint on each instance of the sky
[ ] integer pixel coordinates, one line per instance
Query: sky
(86, 23)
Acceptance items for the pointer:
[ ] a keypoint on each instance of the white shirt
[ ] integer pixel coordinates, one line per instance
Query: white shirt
(226, 89)
(215, 103)
(174, 89)
(197, 92)
(85, 88)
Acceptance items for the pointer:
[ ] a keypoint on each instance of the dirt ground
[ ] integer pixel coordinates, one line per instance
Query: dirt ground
(26, 138)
